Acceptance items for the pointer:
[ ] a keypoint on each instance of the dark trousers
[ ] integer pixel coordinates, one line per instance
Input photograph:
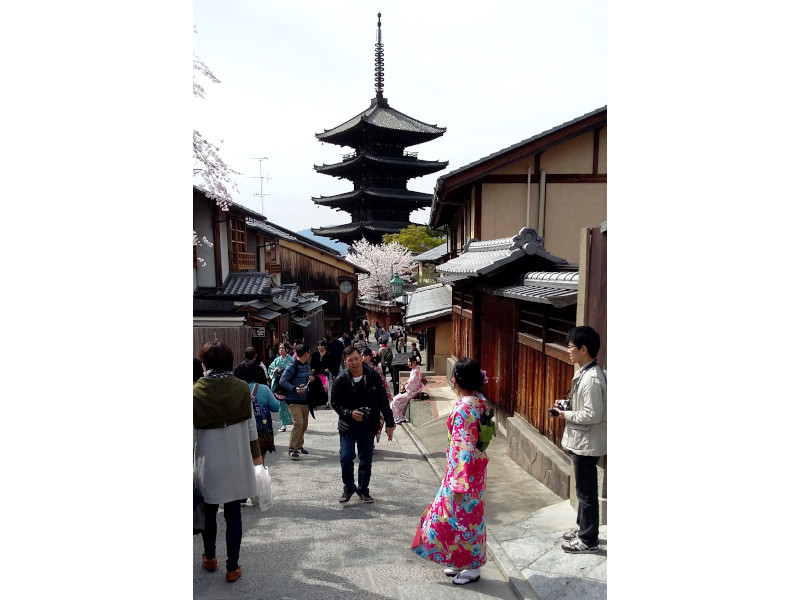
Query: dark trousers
(365, 438)
(585, 468)
(233, 533)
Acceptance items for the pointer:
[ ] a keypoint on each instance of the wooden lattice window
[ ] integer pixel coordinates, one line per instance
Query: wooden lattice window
(240, 259)
(237, 236)
(531, 319)
(559, 322)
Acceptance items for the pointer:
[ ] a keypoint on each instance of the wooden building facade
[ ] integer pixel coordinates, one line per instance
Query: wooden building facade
(511, 314)
(263, 268)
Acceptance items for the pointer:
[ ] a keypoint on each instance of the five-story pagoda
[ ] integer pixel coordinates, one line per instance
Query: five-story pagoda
(379, 167)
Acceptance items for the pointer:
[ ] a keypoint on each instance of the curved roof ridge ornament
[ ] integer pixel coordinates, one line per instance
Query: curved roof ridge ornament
(529, 240)
(379, 62)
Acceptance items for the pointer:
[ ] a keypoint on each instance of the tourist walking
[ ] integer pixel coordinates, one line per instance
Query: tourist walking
(266, 403)
(275, 370)
(294, 380)
(251, 353)
(452, 531)
(225, 451)
(358, 397)
(367, 357)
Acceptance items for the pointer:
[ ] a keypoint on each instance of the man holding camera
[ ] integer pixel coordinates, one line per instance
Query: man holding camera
(358, 396)
(584, 435)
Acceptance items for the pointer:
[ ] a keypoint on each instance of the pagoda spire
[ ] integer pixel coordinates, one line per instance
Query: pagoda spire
(379, 62)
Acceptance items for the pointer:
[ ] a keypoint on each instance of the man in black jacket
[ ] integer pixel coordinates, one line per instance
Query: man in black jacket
(336, 347)
(359, 397)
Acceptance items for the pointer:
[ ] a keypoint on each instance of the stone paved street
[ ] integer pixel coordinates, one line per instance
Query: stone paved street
(310, 547)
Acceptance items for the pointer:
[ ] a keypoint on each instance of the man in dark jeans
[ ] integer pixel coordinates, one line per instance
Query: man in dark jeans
(585, 435)
(354, 390)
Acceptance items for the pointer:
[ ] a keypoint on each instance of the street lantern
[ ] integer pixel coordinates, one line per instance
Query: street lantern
(396, 284)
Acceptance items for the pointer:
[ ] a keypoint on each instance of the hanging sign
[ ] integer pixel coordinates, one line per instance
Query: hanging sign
(259, 332)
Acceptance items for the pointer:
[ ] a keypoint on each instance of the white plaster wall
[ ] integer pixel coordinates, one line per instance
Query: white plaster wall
(568, 208)
(602, 152)
(204, 276)
(573, 156)
(504, 209)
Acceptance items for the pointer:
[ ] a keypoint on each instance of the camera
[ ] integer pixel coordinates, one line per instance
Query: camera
(366, 410)
(563, 404)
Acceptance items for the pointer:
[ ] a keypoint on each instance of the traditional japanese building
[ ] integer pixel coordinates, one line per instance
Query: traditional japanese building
(379, 167)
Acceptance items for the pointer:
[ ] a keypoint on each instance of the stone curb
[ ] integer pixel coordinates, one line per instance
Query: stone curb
(522, 588)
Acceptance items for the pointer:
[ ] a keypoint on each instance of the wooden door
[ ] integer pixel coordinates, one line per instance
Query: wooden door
(498, 352)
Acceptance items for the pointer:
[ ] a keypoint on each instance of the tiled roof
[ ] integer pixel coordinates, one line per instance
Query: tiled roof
(432, 255)
(482, 258)
(378, 193)
(246, 284)
(267, 314)
(302, 322)
(556, 288)
(309, 306)
(525, 141)
(451, 278)
(384, 117)
(429, 302)
(255, 304)
(290, 236)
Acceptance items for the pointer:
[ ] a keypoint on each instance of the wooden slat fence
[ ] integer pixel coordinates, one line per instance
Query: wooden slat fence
(238, 338)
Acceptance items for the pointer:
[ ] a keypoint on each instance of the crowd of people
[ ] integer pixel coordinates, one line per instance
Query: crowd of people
(233, 431)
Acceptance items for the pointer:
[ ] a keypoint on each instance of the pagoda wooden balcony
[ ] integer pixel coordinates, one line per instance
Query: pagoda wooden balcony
(273, 268)
(243, 261)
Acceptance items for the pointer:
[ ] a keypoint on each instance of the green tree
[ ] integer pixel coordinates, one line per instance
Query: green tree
(417, 238)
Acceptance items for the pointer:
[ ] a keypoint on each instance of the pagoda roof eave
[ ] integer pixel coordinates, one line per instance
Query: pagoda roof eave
(382, 119)
(408, 164)
(401, 197)
(350, 229)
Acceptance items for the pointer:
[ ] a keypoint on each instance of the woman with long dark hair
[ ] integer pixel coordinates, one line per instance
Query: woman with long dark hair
(452, 531)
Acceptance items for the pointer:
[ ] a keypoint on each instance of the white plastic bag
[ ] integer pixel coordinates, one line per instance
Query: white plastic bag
(263, 497)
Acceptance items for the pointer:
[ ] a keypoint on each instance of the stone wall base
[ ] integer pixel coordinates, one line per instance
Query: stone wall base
(538, 456)
(546, 463)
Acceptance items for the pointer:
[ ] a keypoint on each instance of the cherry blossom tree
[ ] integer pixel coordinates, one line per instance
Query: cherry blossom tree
(216, 174)
(382, 261)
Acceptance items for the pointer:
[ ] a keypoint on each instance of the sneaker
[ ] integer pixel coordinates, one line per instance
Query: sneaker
(367, 499)
(294, 455)
(302, 451)
(346, 497)
(571, 535)
(576, 546)
(282, 429)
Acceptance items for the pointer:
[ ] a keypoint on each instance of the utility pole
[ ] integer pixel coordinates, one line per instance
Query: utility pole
(262, 178)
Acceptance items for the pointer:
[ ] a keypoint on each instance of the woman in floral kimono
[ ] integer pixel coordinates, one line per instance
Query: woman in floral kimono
(408, 391)
(275, 370)
(452, 531)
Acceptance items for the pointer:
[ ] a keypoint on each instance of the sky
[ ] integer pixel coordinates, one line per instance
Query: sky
(493, 74)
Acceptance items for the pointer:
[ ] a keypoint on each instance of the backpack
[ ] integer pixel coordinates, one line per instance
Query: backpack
(260, 413)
